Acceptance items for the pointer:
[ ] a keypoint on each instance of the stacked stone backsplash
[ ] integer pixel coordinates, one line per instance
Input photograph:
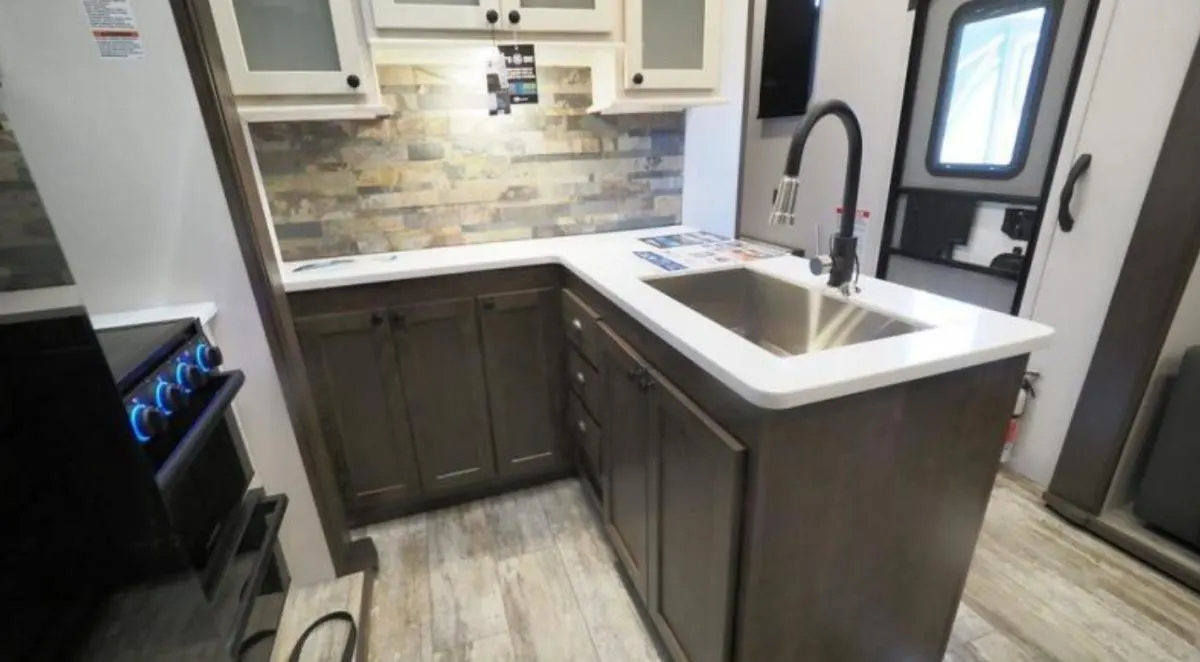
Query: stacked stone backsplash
(441, 172)
(29, 253)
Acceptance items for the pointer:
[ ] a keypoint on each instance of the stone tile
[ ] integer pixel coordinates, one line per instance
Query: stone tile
(440, 152)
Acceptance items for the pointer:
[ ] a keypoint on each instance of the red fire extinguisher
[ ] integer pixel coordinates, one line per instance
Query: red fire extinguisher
(1014, 426)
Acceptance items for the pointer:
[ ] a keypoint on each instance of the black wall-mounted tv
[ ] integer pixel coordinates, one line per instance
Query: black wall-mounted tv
(788, 58)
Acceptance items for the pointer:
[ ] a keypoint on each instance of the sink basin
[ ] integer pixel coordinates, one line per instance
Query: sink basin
(780, 317)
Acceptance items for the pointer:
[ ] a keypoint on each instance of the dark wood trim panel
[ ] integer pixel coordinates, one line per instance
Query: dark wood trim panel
(1160, 259)
(864, 515)
(423, 290)
(728, 409)
(202, 50)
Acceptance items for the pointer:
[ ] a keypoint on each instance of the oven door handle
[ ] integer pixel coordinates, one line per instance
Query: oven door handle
(202, 427)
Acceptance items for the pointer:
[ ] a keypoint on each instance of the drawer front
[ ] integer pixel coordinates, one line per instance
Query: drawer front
(585, 382)
(584, 431)
(579, 323)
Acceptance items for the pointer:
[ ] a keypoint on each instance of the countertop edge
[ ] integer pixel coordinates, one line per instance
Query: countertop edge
(388, 269)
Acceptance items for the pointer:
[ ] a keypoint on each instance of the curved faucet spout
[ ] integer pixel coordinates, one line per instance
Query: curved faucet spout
(849, 120)
(844, 248)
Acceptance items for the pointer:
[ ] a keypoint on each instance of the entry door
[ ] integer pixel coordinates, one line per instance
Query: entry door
(991, 87)
(1127, 94)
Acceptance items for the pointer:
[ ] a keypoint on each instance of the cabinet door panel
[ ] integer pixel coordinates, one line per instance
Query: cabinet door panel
(522, 357)
(350, 363)
(302, 47)
(435, 14)
(626, 456)
(563, 15)
(698, 471)
(673, 44)
(442, 371)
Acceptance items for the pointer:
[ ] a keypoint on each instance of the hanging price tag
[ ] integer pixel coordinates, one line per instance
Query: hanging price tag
(521, 67)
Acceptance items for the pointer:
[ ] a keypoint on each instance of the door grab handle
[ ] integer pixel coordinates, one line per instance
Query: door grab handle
(1065, 220)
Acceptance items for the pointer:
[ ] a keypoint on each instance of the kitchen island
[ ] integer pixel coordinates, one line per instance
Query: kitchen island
(783, 473)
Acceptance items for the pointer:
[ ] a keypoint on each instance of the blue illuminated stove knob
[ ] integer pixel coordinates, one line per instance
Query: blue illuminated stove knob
(147, 422)
(208, 357)
(189, 377)
(169, 397)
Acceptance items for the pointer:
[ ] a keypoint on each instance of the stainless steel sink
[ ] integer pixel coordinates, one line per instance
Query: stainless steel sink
(780, 317)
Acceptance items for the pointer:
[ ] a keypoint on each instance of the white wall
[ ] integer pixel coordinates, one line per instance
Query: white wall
(862, 57)
(1120, 118)
(119, 153)
(712, 148)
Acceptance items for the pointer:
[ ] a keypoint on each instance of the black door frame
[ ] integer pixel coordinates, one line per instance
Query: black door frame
(920, 20)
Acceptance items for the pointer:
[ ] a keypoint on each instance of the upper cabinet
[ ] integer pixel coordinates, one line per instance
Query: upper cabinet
(566, 16)
(672, 44)
(299, 47)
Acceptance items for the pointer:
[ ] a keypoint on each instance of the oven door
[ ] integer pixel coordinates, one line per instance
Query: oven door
(205, 475)
(252, 582)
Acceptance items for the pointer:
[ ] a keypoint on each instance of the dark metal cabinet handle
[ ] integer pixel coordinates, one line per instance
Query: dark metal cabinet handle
(514, 17)
(633, 375)
(492, 16)
(488, 304)
(353, 81)
(1065, 220)
(397, 318)
(376, 319)
(647, 382)
(638, 78)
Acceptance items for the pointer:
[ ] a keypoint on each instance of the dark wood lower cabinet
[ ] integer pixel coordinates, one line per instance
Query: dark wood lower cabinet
(673, 504)
(626, 458)
(522, 349)
(441, 365)
(841, 530)
(360, 402)
(697, 474)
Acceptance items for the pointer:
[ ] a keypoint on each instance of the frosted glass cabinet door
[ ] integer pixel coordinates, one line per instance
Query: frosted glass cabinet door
(290, 47)
(437, 14)
(672, 44)
(560, 15)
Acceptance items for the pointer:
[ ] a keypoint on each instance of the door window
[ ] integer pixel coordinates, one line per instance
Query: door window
(997, 56)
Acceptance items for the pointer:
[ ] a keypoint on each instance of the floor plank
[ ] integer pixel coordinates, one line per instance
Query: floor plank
(496, 648)
(401, 612)
(544, 619)
(529, 577)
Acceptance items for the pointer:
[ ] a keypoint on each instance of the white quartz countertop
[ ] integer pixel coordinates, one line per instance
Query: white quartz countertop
(955, 335)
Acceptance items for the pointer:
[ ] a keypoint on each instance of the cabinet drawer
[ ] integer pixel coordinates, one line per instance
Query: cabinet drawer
(584, 431)
(585, 382)
(579, 322)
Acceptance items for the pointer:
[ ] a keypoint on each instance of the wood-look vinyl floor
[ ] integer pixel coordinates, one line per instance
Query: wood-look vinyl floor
(528, 577)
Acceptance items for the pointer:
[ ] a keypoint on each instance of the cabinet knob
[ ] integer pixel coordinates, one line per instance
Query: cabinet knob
(492, 16)
(353, 81)
(488, 304)
(577, 324)
(376, 319)
(633, 375)
(582, 426)
(638, 78)
(397, 318)
(647, 382)
(580, 378)
(514, 17)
